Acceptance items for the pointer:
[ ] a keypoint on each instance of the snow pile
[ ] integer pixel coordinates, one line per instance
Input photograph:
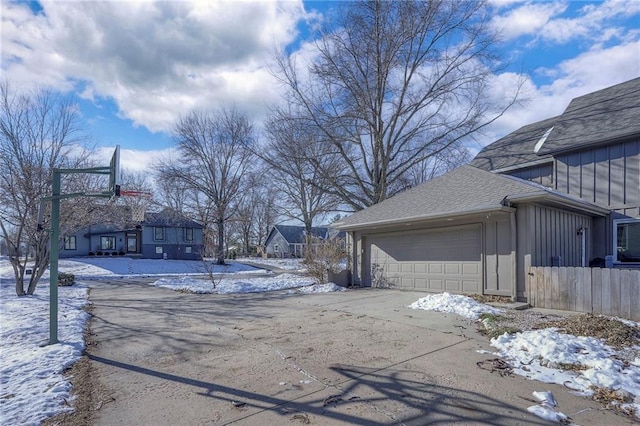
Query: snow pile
(286, 264)
(321, 288)
(545, 409)
(32, 385)
(230, 285)
(542, 354)
(454, 303)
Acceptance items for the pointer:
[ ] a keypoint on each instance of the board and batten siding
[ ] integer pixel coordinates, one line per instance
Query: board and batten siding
(607, 176)
(542, 174)
(546, 232)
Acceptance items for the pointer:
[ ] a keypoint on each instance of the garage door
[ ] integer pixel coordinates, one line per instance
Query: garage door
(446, 259)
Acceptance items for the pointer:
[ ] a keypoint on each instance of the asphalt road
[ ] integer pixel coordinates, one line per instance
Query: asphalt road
(358, 358)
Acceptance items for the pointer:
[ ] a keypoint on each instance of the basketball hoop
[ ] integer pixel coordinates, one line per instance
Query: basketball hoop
(140, 200)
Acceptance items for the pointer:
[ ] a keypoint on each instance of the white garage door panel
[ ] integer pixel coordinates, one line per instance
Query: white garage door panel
(435, 260)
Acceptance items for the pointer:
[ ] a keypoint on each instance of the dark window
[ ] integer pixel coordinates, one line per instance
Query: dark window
(158, 233)
(70, 243)
(107, 243)
(627, 240)
(188, 234)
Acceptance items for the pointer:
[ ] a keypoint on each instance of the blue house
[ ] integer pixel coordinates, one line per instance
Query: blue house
(163, 235)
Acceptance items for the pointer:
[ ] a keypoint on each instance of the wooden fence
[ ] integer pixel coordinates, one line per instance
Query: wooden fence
(612, 292)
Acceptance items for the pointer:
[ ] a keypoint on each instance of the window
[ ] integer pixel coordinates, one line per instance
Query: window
(188, 234)
(70, 243)
(158, 233)
(107, 243)
(626, 234)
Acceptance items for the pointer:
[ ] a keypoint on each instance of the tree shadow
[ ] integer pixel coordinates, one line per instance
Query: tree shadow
(377, 390)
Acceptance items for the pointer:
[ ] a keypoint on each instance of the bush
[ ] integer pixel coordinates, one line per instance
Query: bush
(91, 253)
(65, 279)
(324, 256)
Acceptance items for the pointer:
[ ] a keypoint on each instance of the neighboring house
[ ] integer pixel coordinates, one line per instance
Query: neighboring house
(290, 241)
(164, 235)
(564, 191)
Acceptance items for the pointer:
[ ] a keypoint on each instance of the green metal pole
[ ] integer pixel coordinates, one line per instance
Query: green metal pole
(53, 259)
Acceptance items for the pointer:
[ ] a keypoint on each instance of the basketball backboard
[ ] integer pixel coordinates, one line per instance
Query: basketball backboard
(114, 173)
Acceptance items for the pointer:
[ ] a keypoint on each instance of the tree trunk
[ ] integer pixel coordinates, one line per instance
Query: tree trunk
(220, 251)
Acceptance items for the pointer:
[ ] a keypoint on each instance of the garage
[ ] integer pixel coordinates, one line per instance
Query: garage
(442, 259)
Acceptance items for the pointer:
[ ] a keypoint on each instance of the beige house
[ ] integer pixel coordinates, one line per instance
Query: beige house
(561, 192)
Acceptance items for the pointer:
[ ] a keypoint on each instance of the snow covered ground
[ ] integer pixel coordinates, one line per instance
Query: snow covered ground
(538, 355)
(32, 382)
(287, 264)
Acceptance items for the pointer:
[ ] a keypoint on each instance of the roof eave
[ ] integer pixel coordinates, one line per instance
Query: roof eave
(600, 142)
(422, 218)
(559, 199)
(528, 164)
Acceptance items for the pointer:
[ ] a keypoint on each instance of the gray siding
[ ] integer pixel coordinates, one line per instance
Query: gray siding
(497, 249)
(545, 233)
(542, 174)
(607, 176)
(283, 246)
(174, 244)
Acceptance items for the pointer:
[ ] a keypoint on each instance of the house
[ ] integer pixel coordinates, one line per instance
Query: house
(564, 192)
(290, 241)
(163, 235)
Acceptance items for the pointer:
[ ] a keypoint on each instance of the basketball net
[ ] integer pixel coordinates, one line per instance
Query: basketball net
(138, 205)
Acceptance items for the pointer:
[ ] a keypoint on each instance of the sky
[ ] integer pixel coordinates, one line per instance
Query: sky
(33, 385)
(135, 67)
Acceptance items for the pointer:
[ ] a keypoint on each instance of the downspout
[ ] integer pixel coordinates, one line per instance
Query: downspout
(583, 245)
(514, 256)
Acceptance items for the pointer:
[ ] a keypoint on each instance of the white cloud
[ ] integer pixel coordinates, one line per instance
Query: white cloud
(585, 73)
(544, 20)
(527, 18)
(156, 60)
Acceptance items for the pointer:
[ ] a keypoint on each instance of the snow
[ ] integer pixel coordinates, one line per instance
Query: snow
(453, 303)
(32, 382)
(232, 285)
(538, 355)
(286, 264)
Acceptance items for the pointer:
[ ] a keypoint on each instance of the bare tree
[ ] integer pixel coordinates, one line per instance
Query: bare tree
(212, 161)
(37, 133)
(393, 84)
(289, 147)
(265, 216)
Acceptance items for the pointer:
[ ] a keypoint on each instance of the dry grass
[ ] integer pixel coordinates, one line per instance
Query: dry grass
(485, 298)
(614, 332)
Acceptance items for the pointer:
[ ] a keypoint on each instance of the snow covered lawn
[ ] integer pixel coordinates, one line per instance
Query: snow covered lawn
(32, 382)
(541, 354)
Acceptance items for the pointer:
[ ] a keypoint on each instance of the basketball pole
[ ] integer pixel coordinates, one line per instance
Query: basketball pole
(54, 249)
(53, 258)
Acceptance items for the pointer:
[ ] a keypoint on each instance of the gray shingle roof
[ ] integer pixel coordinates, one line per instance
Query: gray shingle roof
(295, 234)
(600, 117)
(514, 149)
(464, 190)
(603, 116)
(170, 218)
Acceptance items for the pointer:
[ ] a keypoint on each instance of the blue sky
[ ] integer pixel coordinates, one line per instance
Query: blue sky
(135, 67)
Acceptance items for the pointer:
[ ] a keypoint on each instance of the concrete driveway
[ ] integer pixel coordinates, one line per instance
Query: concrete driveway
(358, 357)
